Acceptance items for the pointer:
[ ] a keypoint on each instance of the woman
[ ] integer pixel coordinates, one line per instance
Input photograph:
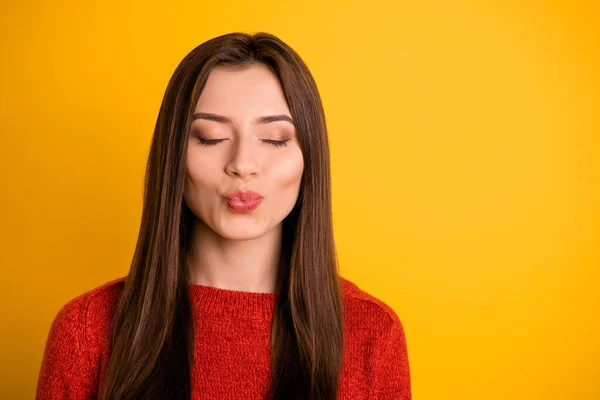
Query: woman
(233, 292)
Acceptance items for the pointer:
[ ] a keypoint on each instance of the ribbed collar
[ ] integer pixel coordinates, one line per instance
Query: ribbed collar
(228, 303)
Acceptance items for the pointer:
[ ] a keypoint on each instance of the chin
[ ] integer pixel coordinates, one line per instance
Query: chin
(242, 231)
(241, 234)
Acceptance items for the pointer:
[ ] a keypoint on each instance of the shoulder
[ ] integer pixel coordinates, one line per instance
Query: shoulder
(86, 317)
(78, 335)
(374, 329)
(94, 301)
(364, 309)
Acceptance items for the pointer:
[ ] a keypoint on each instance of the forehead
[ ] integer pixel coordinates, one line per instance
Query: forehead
(250, 90)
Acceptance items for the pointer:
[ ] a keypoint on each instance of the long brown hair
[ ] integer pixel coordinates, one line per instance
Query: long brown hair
(152, 342)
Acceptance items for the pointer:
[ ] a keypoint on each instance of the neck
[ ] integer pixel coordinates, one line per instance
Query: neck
(243, 265)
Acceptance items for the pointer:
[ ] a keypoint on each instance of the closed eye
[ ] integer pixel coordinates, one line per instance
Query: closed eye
(206, 142)
(212, 142)
(278, 143)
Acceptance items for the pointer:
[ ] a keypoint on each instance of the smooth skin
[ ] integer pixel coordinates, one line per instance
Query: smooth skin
(231, 148)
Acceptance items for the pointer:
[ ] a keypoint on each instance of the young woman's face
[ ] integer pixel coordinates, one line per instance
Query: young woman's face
(232, 146)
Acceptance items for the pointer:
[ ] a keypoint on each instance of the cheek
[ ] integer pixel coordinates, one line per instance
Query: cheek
(286, 173)
(201, 177)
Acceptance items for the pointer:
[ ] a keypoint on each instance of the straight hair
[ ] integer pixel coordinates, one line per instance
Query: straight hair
(152, 335)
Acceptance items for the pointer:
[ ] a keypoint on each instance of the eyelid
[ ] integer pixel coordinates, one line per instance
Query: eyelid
(277, 143)
(211, 142)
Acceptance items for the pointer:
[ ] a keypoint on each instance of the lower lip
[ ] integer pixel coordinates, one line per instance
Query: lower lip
(239, 206)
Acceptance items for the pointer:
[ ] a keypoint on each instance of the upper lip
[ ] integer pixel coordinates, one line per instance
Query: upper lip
(243, 195)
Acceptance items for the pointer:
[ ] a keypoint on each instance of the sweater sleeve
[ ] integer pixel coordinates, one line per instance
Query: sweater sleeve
(68, 369)
(393, 373)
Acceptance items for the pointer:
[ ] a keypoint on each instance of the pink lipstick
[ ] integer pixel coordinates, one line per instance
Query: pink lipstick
(243, 202)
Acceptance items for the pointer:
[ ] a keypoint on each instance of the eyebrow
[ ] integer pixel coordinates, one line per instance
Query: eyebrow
(267, 119)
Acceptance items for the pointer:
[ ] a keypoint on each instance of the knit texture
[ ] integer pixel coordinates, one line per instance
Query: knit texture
(232, 359)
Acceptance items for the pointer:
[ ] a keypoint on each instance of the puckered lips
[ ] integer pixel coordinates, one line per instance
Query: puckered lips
(243, 201)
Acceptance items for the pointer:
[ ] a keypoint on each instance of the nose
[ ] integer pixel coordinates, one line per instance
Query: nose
(244, 160)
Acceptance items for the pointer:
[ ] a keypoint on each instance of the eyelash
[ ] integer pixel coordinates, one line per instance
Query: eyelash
(275, 143)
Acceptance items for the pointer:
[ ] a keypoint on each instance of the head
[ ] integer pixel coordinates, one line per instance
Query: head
(242, 137)
(241, 112)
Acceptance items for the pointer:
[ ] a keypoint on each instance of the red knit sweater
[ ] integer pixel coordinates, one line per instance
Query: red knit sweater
(232, 359)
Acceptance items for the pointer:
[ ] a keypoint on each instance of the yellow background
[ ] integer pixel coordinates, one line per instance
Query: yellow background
(465, 157)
